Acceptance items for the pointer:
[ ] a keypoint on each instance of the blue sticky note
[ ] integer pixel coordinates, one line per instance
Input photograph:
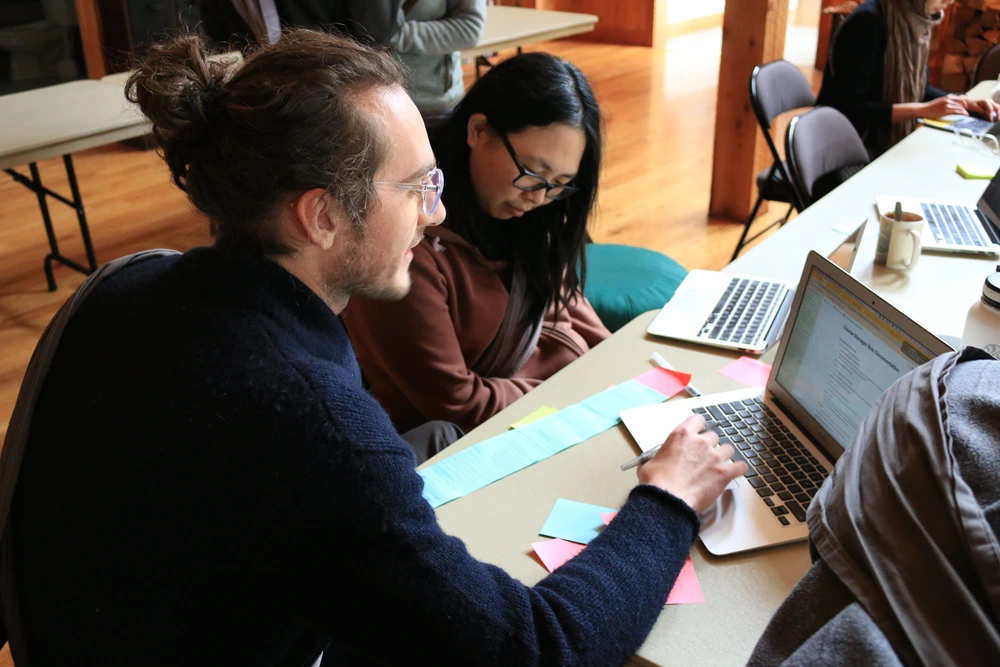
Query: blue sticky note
(631, 394)
(574, 521)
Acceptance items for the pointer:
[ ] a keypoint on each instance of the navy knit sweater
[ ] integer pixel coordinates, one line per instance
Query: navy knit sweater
(852, 80)
(208, 483)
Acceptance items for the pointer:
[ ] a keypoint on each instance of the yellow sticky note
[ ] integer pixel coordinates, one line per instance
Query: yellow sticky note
(541, 412)
(937, 123)
(976, 171)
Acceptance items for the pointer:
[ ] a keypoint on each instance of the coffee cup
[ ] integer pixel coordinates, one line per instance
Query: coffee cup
(899, 241)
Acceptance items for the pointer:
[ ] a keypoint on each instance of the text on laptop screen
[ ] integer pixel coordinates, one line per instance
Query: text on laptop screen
(841, 356)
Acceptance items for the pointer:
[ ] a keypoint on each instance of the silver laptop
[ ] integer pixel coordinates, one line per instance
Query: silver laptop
(725, 310)
(956, 226)
(843, 347)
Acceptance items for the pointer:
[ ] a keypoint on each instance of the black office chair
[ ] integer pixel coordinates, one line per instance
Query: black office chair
(988, 66)
(775, 88)
(823, 151)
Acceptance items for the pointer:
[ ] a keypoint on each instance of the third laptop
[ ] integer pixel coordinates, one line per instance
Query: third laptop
(955, 226)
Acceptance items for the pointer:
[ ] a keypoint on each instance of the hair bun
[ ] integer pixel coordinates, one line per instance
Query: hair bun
(178, 86)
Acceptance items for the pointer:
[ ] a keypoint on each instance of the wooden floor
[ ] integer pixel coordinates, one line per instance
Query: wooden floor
(659, 107)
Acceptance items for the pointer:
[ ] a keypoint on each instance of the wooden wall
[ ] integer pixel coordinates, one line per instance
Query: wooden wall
(627, 22)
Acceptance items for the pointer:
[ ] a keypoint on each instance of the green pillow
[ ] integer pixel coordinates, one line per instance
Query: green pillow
(624, 281)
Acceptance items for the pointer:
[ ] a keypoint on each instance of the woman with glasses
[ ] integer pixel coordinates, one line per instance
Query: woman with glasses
(496, 304)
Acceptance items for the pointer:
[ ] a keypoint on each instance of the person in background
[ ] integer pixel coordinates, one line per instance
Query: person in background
(497, 301)
(429, 41)
(375, 20)
(205, 479)
(877, 72)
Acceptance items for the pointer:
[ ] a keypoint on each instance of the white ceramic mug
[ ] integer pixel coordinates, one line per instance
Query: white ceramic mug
(899, 241)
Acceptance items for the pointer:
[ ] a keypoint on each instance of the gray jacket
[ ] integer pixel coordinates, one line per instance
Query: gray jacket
(429, 42)
(905, 533)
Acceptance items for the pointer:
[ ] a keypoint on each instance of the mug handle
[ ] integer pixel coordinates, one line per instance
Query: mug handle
(916, 248)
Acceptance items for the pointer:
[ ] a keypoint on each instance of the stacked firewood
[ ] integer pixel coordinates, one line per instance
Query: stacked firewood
(973, 26)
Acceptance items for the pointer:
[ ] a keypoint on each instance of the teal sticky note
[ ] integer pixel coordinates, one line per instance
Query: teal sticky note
(574, 521)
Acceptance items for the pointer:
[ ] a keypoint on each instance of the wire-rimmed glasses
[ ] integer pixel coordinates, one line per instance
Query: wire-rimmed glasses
(430, 189)
(529, 181)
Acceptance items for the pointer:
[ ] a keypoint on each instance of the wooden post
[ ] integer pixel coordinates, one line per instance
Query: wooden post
(89, 17)
(753, 32)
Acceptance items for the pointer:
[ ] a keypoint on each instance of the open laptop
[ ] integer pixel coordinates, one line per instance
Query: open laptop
(843, 347)
(726, 310)
(956, 226)
(973, 124)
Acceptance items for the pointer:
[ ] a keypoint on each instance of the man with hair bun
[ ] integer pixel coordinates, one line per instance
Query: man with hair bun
(206, 481)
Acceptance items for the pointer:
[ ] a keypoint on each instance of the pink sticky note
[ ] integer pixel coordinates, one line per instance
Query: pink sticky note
(554, 553)
(606, 517)
(668, 383)
(686, 589)
(751, 372)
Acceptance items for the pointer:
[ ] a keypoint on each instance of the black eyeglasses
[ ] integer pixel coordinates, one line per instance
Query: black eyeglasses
(529, 181)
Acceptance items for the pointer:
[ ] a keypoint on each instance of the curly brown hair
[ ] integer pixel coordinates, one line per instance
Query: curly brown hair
(241, 137)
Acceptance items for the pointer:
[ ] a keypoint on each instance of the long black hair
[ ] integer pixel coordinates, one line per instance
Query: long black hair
(529, 90)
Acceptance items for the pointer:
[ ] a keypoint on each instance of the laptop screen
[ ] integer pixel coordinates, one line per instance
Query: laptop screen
(841, 355)
(989, 203)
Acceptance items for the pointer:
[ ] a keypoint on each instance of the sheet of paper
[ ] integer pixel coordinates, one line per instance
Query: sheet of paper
(540, 413)
(649, 426)
(553, 553)
(667, 382)
(574, 521)
(751, 372)
(606, 517)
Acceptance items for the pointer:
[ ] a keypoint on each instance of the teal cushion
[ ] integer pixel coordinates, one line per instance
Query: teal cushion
(624, 281)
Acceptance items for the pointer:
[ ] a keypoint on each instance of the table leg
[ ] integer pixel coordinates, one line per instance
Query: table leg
(35, 185)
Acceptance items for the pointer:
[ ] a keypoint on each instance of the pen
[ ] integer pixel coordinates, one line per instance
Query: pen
(642, 458)
(662, 363)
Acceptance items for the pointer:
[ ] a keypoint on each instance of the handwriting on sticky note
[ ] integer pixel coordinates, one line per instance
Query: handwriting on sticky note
(751, 372)
(667, 382)
(573, 521)
(540, 413)
(553, 553)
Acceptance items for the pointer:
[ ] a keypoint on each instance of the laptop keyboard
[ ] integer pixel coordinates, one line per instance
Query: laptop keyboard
(955, 225)
(745, 312)
(784, 473)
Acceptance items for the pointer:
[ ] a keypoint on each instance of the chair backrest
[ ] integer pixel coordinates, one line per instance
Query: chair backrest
(777, 87)
(819, 143)
(988, 66)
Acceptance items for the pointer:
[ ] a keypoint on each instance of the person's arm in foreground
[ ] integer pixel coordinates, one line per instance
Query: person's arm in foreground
(415, 595)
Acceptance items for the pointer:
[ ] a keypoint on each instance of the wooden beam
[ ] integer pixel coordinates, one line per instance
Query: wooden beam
(89, 17)
(631, 22)
(753, 32)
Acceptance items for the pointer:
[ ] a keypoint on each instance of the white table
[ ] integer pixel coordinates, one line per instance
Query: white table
(499, 522)
(513, 27)
(59, 121)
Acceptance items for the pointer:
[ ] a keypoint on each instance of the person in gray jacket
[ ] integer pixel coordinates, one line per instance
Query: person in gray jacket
(429, 41)
(904, 533)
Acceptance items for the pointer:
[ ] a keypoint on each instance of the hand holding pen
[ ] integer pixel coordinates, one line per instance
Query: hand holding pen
(647, 455)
